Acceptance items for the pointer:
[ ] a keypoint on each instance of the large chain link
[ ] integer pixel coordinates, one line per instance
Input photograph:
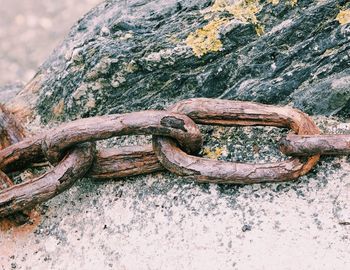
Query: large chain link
(229, 113)
(176, 139)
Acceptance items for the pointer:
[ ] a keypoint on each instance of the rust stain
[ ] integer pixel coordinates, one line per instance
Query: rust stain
(13, 236)
(10, 226)
(23, 104)
(58, 109)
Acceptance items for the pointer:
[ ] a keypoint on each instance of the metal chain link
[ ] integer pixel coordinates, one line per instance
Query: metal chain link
(229, 113)
(176, 137)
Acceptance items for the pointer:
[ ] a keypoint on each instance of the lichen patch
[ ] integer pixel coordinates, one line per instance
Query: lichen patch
(274, 2)
(213, 154)
(206, 39)
(244, 10)
(80, 92)
(293, 2)
(343, 17)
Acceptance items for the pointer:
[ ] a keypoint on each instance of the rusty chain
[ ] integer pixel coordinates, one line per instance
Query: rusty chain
(228, 113)
(71, 148)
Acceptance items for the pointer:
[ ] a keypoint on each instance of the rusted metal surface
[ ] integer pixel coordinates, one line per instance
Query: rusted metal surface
(5, 181)
(18, 156)
(16, 198)
(227, 113)
(109, 163)
(176, 138)
(55, 142)
(10, 132)
(305, 145)
(177, 126)
(27, 194)
(125, 161)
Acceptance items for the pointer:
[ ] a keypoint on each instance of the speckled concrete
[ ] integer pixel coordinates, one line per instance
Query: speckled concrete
(161, 221)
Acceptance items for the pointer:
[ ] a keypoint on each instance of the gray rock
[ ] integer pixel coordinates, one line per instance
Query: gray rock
(127, 56)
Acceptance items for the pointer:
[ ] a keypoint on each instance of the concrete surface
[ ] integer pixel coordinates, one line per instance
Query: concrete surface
(30, 30)
(161, 221)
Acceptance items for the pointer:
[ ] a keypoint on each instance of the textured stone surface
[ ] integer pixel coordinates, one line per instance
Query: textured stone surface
(124, 56)
(132, 55)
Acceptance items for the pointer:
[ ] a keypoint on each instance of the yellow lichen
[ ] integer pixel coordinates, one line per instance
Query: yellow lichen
(244, 10)
(293, 2)
(213, 154)
(206, 39)
(260, 30)
(131, 67)
(218, 5)
(343, 16)
(274, 2)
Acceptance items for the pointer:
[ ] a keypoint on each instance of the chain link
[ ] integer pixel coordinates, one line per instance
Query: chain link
(228, 113)
(176, 137)
(305, 145)
(10, 132)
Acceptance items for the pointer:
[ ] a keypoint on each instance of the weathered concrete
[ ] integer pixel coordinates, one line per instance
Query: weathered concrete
(161, 221)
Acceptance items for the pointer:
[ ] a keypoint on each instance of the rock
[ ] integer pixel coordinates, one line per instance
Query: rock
(332, 93)
(246, 227)
(148, 54)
